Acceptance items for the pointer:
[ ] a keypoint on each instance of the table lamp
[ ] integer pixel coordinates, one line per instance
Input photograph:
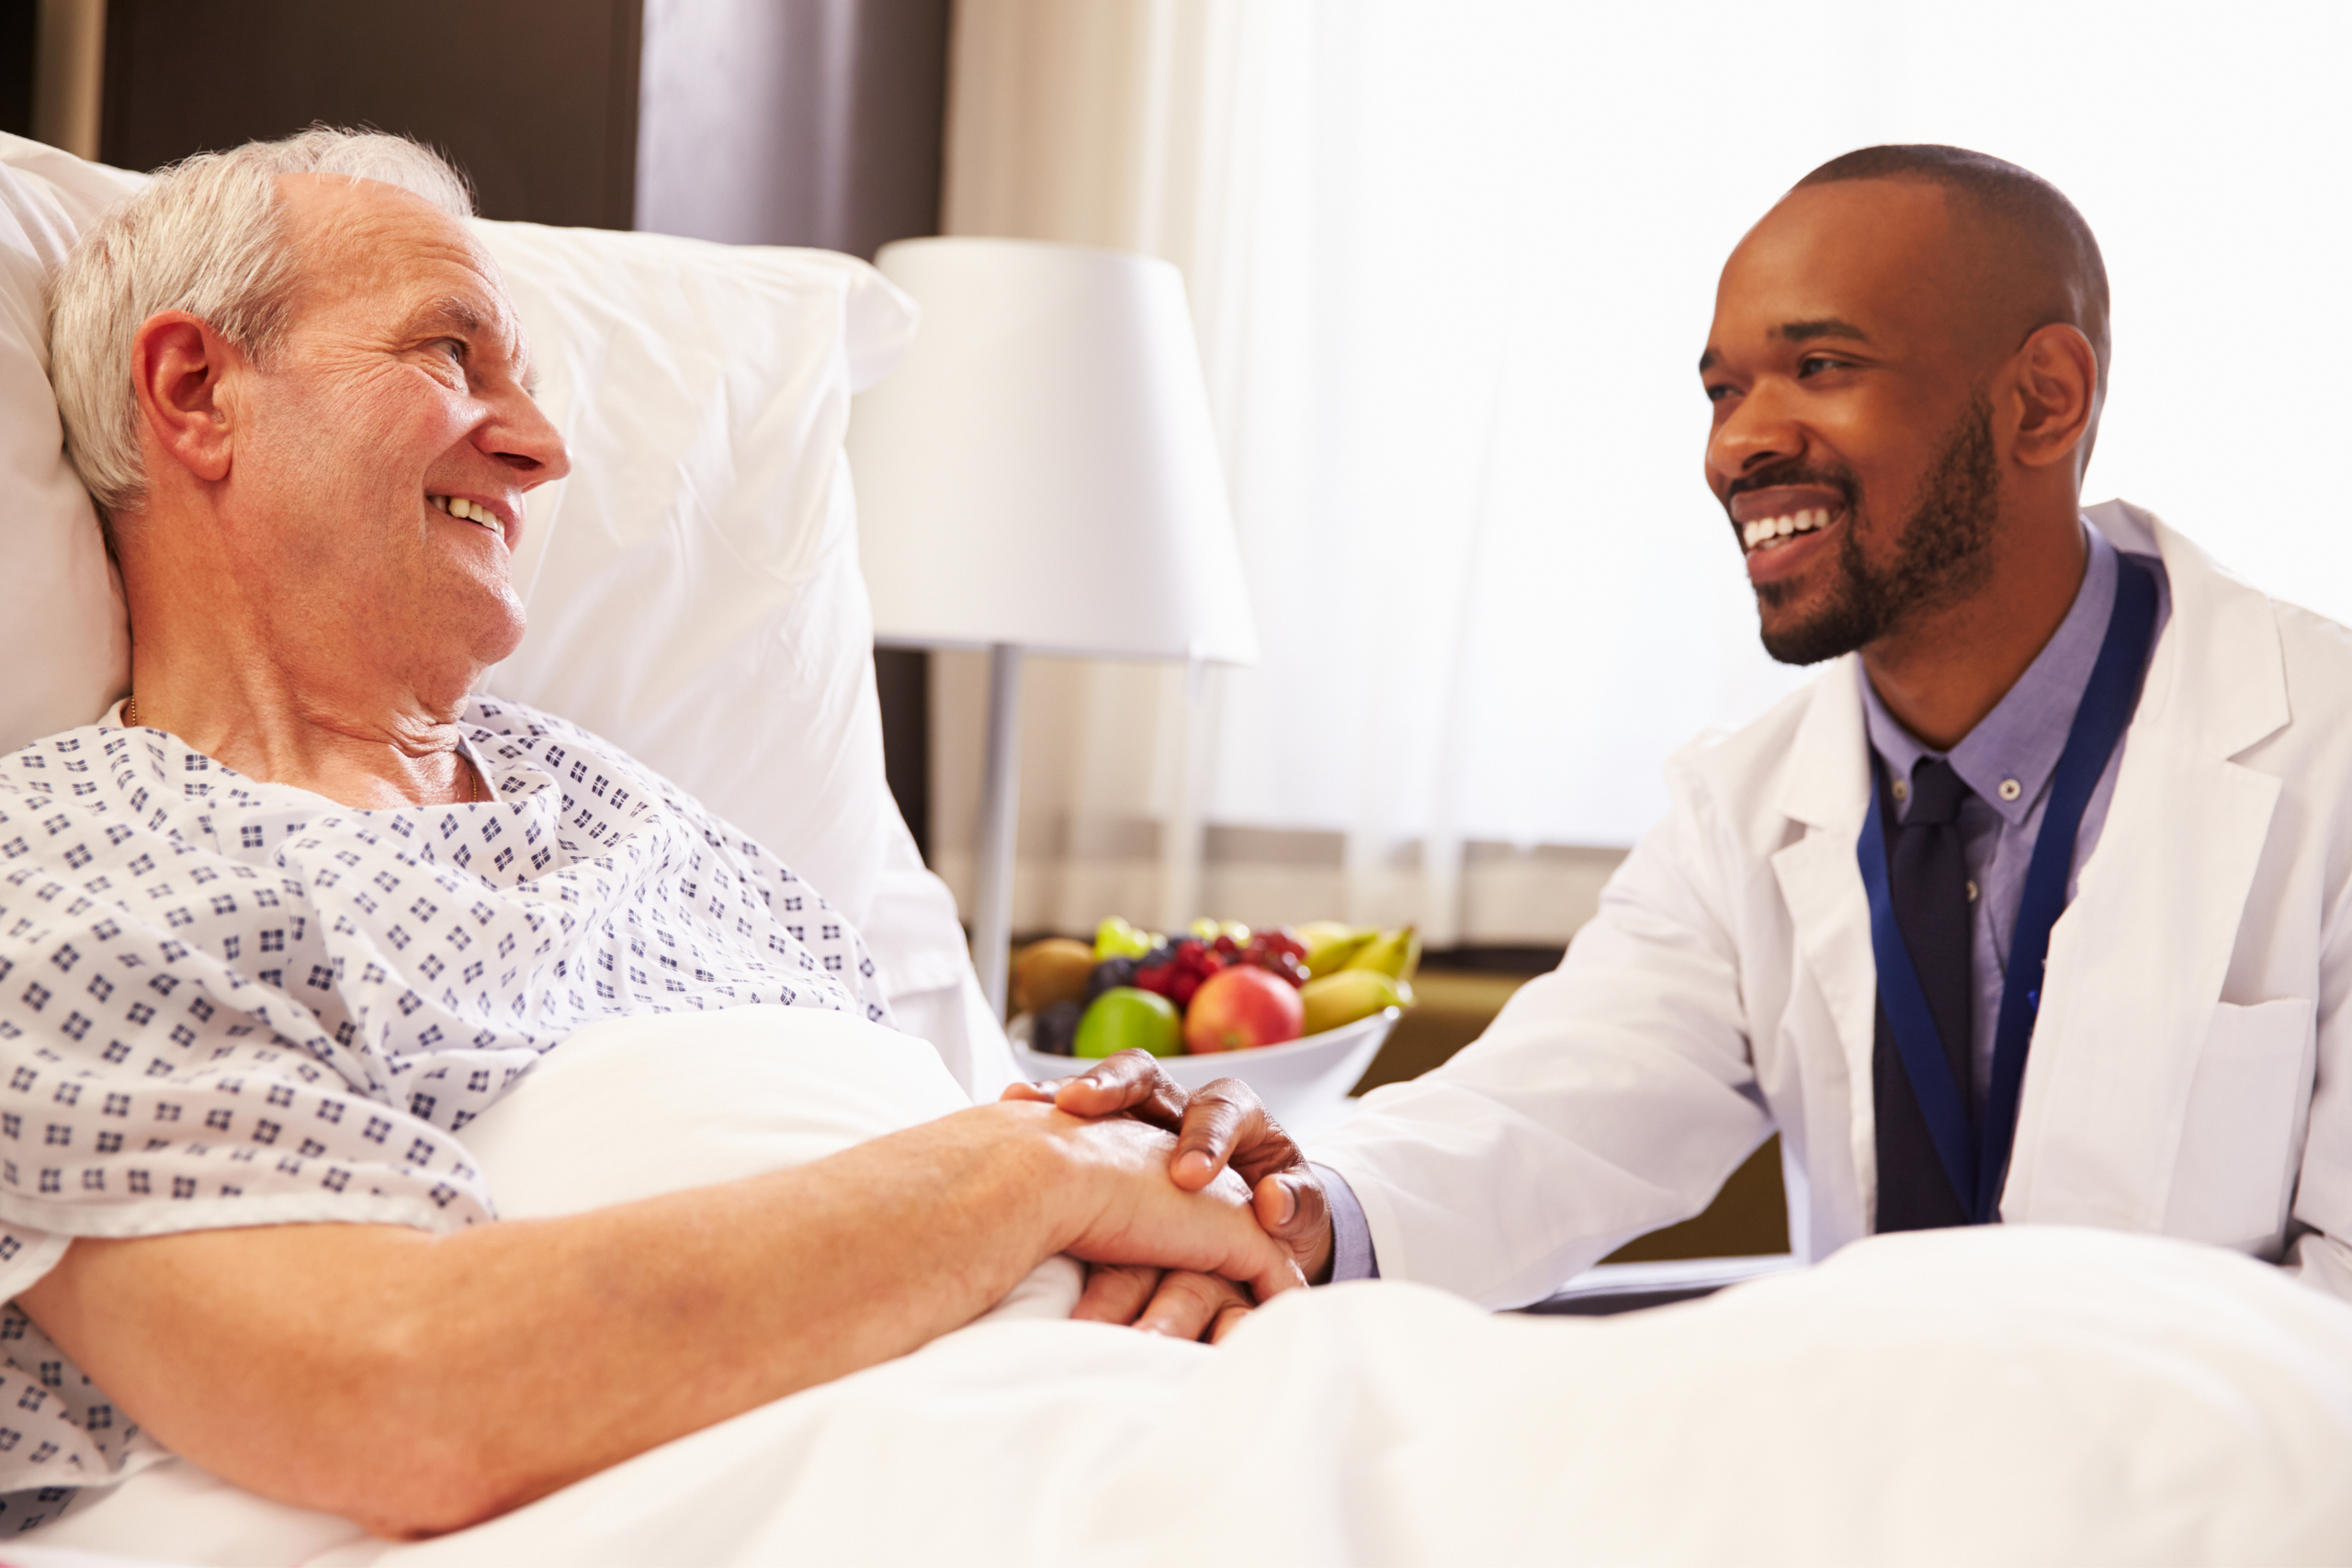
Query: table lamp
(1040, 473)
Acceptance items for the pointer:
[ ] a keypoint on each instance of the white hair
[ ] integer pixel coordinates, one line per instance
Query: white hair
(207, 236)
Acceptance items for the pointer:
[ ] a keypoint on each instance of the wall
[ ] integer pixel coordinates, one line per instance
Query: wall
(536, 99)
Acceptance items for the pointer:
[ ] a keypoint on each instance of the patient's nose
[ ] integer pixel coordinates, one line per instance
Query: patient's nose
(525, 440)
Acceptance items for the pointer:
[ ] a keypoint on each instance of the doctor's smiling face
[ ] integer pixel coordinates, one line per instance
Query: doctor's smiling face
(1905, 370)
(1852, 443)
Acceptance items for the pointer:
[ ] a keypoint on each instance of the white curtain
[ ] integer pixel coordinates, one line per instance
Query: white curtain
(1452, 263)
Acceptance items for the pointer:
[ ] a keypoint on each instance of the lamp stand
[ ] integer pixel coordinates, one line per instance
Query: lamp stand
(1000, 827)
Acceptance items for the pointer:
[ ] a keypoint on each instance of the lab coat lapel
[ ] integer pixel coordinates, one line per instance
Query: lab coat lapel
(2138, 960)
(1824, 785)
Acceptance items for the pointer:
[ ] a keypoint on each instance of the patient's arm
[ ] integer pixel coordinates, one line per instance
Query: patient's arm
(417, 1384)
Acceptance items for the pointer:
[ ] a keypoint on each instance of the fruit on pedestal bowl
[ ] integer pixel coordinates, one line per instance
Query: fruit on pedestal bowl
(1050, 971)
(1330, 1001)
(1397, 953)
(1177, 969)
(1116, 939)
(1109, 973)
(1242, 1008)
(1124, 1018)
(1053, 1029)
(1330, 944)
(1280, 953)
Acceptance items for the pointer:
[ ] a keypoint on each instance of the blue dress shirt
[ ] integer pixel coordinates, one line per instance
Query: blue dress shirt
(2006, 761)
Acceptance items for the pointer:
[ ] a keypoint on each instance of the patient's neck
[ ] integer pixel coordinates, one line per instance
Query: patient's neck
(280, 689)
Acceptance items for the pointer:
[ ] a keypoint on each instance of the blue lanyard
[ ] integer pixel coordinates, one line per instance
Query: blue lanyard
(2108, 702)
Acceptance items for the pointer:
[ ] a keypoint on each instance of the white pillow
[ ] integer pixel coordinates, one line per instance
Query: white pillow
(693, 586)
(63, 643)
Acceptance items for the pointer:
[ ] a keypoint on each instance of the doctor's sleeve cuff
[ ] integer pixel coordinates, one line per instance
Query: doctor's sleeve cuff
(1353, 1257)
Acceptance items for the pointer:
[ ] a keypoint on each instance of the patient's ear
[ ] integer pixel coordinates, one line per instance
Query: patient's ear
(179, 369)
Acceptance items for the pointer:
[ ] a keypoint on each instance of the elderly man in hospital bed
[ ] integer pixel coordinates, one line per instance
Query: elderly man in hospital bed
(300, 908)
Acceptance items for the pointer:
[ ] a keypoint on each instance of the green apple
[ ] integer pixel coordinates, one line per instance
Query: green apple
(1124, 1016)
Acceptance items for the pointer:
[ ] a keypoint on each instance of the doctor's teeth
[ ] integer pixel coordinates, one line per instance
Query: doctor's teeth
(1771, 530)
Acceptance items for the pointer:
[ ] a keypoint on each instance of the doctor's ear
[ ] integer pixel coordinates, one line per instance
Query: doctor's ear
(2056, 388)
(179, 369)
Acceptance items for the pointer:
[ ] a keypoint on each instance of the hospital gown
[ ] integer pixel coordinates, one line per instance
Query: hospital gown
(224, 1002)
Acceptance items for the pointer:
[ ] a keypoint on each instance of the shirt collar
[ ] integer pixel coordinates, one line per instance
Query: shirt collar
(2019, 742)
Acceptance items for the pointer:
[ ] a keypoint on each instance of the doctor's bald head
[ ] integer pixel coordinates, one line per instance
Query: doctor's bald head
(2024, 257)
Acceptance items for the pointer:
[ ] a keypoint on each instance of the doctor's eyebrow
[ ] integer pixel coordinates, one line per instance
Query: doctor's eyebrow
(1828, 326)
(1800, 331)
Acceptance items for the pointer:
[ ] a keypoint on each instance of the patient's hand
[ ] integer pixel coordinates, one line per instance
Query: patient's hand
(1176, 1302)
(1223, 1125)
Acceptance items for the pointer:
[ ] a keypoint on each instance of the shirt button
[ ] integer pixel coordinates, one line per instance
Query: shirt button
(1971, 890)
(2010, 790)
(1903, 792)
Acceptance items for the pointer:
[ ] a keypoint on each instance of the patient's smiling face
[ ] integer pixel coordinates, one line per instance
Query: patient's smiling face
(384, 450)
(1851, 445)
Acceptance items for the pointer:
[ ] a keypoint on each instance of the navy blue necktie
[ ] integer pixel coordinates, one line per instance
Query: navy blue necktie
(1927, 884)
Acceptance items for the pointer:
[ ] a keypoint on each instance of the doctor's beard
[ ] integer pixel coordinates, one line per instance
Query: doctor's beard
(1942, 555)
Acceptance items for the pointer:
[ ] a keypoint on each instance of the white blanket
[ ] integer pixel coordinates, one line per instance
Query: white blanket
(2019, 1395)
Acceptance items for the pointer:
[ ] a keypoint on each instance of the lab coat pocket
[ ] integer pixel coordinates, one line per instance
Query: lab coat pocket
(2231, 1180)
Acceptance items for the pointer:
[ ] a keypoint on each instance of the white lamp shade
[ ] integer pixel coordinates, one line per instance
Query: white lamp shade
(1040, 469)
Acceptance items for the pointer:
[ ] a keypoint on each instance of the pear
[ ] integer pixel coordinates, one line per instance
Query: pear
(1334, 1002)
(1397, 953)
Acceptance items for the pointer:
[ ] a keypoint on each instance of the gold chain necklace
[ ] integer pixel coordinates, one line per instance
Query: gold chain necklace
(474, 795)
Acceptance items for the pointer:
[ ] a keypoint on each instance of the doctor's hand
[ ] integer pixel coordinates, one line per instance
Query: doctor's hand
(1223, 1125)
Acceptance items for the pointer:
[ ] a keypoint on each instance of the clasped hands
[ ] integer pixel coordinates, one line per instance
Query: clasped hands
(1221, 1125)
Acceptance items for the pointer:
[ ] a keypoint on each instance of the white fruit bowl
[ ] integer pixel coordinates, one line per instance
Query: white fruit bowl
(1301, 1081)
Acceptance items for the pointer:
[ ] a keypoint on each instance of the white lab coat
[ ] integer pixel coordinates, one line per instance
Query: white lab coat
(2191, 1067)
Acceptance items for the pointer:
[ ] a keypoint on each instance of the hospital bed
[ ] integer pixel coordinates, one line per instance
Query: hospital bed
(694, 595)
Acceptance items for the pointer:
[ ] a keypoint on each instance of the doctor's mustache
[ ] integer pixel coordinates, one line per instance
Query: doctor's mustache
(1795, 472)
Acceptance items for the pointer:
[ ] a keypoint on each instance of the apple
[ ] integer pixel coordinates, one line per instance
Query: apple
(1124, 1018)
(1240, 1008)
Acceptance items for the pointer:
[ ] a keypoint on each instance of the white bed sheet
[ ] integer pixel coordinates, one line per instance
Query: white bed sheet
(2009, 1395)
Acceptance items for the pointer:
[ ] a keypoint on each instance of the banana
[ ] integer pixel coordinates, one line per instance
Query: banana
(1339, 999)
(1396, 954)
(1330, 946)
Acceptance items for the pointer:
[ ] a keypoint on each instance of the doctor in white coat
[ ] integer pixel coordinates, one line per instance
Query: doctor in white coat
(1906, 370)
